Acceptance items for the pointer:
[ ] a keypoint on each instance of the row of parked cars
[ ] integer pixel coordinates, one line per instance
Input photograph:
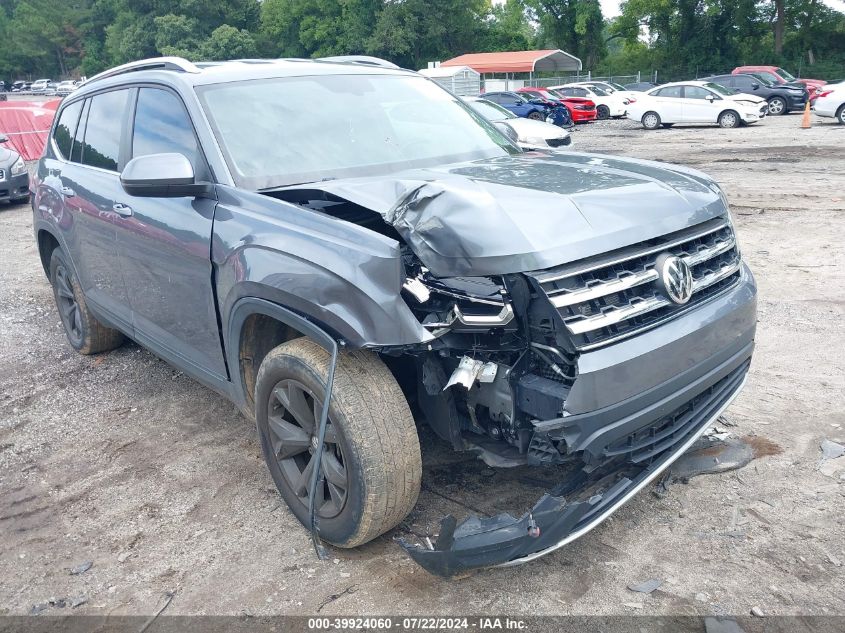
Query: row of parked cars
(746, 95)
(41, 86)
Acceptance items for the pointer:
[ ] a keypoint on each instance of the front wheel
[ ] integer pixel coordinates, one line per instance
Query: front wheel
(651, 120)
(603, 112)
(840, 115)
(729, 119)
(371, 466)
(535, 116)
(777, 105)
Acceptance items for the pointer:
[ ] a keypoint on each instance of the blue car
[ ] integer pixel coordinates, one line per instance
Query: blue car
(530, 108)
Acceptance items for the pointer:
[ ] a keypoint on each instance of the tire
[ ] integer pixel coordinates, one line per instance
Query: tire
(729, 119)
(777, 106)
(84, 332)
(602, 112)
(371, 448)
(840, 114)
(651, 120)
(535, 116)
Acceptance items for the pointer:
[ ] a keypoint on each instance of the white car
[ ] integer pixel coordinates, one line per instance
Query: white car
(696, 102)
(607, 104)
(831, 102)
(614, 89)
(40, 86)
(66, 87)
(530, 134)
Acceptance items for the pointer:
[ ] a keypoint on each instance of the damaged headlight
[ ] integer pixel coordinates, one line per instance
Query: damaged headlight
(458, 303)
(18, 167)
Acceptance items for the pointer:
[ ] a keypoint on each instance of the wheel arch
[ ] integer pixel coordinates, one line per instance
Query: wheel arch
(256, 326)
(47, 243)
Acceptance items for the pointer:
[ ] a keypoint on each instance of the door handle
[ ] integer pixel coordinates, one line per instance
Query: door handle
(122, 209)
(67, 192)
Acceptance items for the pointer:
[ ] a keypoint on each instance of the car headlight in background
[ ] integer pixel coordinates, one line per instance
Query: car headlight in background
(536, 141)
(18, 167)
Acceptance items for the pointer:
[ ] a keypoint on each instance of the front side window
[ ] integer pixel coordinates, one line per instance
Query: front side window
(352, 125)
(162, 126)
(66, 128)
(103, 128)
(696, 92)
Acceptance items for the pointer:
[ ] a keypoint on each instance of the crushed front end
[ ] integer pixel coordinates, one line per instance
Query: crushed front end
(613, 365)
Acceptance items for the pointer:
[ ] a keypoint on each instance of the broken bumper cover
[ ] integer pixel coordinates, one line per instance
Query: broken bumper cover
(558, 518)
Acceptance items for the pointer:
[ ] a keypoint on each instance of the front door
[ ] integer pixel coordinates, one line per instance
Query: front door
(701, 105)
(165, 246)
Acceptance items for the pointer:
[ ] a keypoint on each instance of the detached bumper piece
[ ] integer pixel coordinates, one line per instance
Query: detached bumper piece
(576, 506)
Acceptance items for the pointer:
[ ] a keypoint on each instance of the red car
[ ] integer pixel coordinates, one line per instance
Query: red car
(581, 109)
(781, 76)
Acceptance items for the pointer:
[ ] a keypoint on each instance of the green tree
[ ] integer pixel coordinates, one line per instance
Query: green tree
(227, 42)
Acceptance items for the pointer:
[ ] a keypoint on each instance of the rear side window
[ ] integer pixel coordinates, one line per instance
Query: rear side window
(66, 128)
(162, 126)
(103, 129)
(672, 91)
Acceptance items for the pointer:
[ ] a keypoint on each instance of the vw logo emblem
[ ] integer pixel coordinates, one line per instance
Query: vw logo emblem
(674, 278)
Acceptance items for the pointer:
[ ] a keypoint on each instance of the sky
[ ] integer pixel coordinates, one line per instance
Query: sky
(610, 8)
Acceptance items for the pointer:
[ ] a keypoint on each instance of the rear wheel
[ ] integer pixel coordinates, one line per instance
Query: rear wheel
(840, 114)
(777, 105)
(729, 119)
(84, 332)
(603, 112)
(651, 120)
(371, 466)
(535, 116)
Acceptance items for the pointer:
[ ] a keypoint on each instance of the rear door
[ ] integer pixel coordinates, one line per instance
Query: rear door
(89, 185)
(669, 104)
(165, 245)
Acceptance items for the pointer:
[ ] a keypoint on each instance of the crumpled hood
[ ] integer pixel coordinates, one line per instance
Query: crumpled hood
(533, 211)
(747, 98)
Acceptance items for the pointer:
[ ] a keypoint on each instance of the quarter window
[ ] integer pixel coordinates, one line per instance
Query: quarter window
(162, 126)
(66, 128)
(103, 129)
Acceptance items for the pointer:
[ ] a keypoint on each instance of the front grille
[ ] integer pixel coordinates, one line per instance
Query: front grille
(652, 440)
(615, 295)
(585, 107)
(2, 174)
(763, 110)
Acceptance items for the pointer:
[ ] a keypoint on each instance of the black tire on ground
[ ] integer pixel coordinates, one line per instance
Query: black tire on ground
(777, 106)
(651, 120)
(840, 114)
(371, 461)
(729, 119)
(535, 116)
(602, 112)
(84, 332)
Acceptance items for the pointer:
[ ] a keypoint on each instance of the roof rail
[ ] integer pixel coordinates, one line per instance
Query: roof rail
(154, 63)
(365, 60)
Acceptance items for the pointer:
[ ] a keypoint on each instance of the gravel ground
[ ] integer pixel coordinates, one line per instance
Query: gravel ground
(120, 460)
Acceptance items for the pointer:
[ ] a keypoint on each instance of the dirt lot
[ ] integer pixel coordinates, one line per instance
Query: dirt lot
(121, 460)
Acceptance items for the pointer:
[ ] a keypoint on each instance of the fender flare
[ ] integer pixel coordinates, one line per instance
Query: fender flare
(248, 306)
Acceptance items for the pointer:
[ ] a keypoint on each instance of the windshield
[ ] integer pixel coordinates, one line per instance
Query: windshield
(616, 86)
(599, 92)
(491, 111)
(351, 125)
(719, 89)
(784, 75)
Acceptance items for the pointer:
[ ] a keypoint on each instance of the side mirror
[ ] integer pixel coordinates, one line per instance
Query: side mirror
(162, 176)
(507, 130)
(755, 86)
(3, 138)
(710, 98)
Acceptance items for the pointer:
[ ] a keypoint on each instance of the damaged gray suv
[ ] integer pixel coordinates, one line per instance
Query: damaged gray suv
(375, 256)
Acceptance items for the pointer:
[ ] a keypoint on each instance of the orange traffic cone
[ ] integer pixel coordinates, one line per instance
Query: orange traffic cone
(805, 122)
